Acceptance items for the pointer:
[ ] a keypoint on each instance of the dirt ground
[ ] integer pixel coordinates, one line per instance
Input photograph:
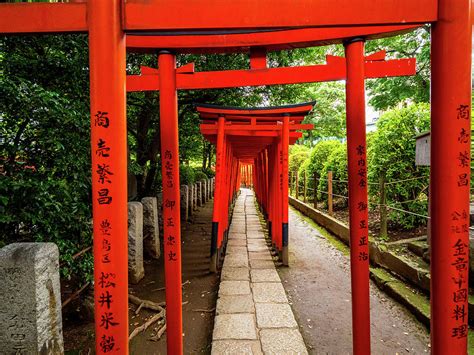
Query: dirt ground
(318, 285)
(199, 298)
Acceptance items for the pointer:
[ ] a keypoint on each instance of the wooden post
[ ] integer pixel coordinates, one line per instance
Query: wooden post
(296, 185)
(330, 192)
(315, 191)
(305, 186)
(383, 208)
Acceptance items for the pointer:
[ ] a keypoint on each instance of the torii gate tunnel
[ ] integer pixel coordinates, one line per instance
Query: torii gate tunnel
(256, 137)
(214, 26)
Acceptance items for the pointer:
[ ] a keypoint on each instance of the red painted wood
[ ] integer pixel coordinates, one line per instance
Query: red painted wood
(450, 176)
(171, 202)
(358, 207)
(334, 70)
(109, 177)
(45, 17)
(249, 14)
(279, 39)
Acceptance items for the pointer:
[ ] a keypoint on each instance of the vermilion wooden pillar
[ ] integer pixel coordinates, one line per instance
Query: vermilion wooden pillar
(271, 208)
(358, 212)
(450, 176)
(279, 197)
(217, 193)
(276, 200)
(171, 200)
(285, 142)
(109, 175)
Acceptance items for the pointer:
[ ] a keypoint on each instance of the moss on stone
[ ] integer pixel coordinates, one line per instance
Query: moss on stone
(333, 240)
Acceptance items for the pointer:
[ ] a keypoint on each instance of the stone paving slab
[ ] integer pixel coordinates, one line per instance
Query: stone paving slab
(234, 236)
(260, 255)
(261, 264)
(268, 292)
(253, 315)
(282, 341)
(264, 275)
(236, 260)
(237, 243)
(232, 347)
(275, 315)
(227, 288)
(256, 242)
(252, 247)
(234, 326)
(253, 234)
(235, 274)
(235, 304)
(237, 250)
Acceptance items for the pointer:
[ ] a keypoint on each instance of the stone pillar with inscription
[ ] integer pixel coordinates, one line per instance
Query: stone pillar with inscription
(195, 196)
(204, 191)
(199, 193)
(30, 299)
(159, 198)
(136, 271)
(184, 202)
(190, 199)
(151, 232)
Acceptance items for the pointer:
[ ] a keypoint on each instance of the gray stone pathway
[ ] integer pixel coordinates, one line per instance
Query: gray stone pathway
(253, 315)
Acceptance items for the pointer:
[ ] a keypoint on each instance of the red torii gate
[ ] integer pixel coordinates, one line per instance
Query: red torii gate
(182, 24)
(336, 68)
(250, 133)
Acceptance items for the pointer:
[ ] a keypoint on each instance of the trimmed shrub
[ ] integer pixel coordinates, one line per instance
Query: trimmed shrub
(209, 173)
(186, 175)
(298, 154)
(337, 163)
(200, 175)
(391, 154)
(317, 158)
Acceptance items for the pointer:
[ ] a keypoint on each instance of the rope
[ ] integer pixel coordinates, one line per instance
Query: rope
(410, 179)
(409, 212)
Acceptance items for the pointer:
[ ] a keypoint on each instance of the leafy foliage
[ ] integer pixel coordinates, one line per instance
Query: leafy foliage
(200, 175)
(186, 175)
(337, 163)
(387, 93)
(317, 158)
(298, 154)
(329, 114)
(45, 148)
(391, 154)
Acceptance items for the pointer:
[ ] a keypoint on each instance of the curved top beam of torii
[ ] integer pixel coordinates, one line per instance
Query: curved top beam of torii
(225, 26)
(209, 111)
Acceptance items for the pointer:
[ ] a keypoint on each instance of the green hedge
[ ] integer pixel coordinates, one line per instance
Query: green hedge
(337, 163)
(186, 175)
(298, 154)
(390, 153)
(317, 158)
